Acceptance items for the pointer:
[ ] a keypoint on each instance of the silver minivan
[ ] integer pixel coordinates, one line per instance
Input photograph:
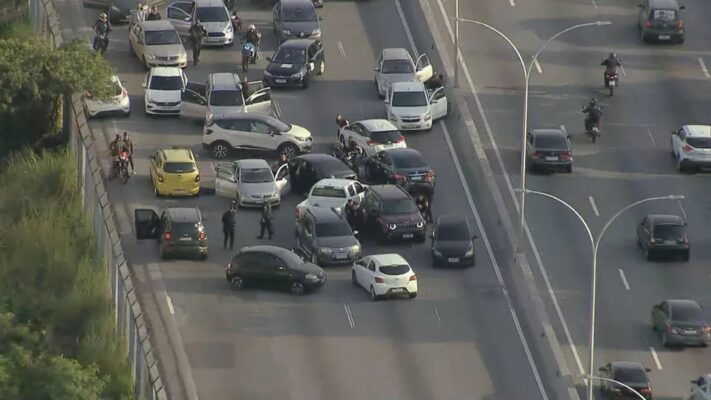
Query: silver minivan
(212, 14)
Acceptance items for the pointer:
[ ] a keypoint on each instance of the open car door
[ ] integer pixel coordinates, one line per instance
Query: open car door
(282, 179)
(260, 102)
(193, 103)
(438, 104)
(146, 223)
(180, 15)
(225, 181)
(423, 68)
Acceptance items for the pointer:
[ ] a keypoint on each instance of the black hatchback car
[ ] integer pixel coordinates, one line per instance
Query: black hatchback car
(180, 231)
(271, 266)
(632, 374)
(402, 166)
(681, 322)
(659, 20)
(452, 241)
(307, 169)
(295, 62)
(663, 235)
(549, 149)
(388, 212)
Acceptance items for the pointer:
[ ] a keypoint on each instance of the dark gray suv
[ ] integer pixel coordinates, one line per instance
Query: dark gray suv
(324, 236)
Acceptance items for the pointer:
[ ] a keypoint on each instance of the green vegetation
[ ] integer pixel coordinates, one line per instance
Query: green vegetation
(57, 332)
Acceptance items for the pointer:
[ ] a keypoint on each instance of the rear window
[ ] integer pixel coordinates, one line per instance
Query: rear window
(699, 143)
(409, 99)
(300, 14)
(399, 206)
(225, 98)
(397, 67)
(408, 160)
(664, 15)
(630, 376)
(183, 228)
(332, 229)
(179, 167)
(328, 192)
(668, 232)
(551, 142)
(385, 136)
(686, 313)
(394, 269)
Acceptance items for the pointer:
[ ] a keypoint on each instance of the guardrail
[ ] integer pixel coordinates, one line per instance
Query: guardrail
(130, 321)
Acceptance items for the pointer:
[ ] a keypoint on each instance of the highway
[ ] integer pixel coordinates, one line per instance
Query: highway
(460, 339)
(664, 86)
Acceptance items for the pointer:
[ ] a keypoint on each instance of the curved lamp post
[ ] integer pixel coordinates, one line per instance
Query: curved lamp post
(595, 242)
(599, 378)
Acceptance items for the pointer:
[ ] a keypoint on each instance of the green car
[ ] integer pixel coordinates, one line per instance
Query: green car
(180, 231)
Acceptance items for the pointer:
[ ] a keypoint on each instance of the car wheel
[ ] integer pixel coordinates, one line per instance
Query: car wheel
(236, 283)
(413, 295)
(322, 68)
(354, 279)
(290, 149)
(220, 150)
(297, 288)
(639, 242)
(373, 296)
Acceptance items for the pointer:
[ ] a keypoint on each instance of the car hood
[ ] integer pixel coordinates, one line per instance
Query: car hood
(326, 202)
(402, 218)
(281, 69)
(306, 27)
(166, 50)
(410, 111)
(309, 268)
(453, 246)
(299, 132)
(337, 241)
(389, 79)
(262, 188)
(215, 26)
(163, 95)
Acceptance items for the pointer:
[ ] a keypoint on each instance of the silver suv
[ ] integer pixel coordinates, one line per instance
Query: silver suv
(324, 236)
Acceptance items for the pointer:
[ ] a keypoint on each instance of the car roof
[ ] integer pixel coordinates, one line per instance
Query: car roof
(697, 131)
(252, 163)
(683, 303)
(334, 182)
(377, 125)
(389, 191)
(178, 155)
(666, 219)
(209, 3)
(160, 25)
(388, 259)
(224, 80)
(452, 219)
(295, 3)
(284, 254)
(319, 158)
(400, 152)
(547, 132)
(236, 114)
(665, 4)
(398, 53)
(325, 214)
(297, 43)
(626, 365)
(184, 214)
(411, 86)
(167, 71)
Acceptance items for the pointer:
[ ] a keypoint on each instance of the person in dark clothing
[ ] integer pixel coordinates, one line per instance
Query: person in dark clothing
(283, 159)
(244, 83)
(352, 214)
(435, 82)
(266, 221)
(197, 33)
(424, 206)
(102, 27)
(128, 144)
(228, 226)
(593, 114)
(610, 63)
(153, 14)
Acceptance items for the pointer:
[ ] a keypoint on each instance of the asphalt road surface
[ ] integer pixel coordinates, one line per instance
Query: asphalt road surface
(663, 87)
(458, 340)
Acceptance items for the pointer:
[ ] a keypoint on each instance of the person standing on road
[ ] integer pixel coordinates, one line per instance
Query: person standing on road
(197, 33)
(424, 206)
(266, 221)
(352, 214)
(140, 13)
(128, 145)
(228, 225)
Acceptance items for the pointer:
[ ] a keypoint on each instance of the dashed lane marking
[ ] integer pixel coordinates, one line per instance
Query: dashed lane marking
(437, 317)
(624, 279)
(651, 137)
(349, 315)
(362, 108)
(703, 68)
(656, 358)
(170, 304)
(341, 49)
(594, 206)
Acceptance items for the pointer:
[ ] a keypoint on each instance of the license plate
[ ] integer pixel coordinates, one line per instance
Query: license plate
(664, 37)
(416, 178)
(185, 239)
(341, 256)
(280, 80)
(410, 125)
(552, 158)
(408, 235)
(398, 290)
(612, 83)
(453, 259)
(690, 331)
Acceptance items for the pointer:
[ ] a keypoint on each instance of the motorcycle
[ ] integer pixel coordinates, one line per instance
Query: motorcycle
(121, 166)
(351, 157)
(611, 81)
(249, 55)
(101, 42)
(591, 129)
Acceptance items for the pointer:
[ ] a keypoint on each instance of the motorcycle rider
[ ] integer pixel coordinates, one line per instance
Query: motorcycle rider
(116, 147)
(593, 113)
(253, 36)
(610, 63)
(342, 122)
(102, 26)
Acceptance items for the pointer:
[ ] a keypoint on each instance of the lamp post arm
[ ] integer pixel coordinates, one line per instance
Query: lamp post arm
(506, 38)
(638, 394)
(552, 38)
(577, 214)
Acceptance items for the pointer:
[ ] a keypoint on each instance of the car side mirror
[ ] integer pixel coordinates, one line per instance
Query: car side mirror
(269, 59)
(569, 136)
(376, 69)
(475, 237)
(187, 19)
(355, 233)
(233, 17)
(682, 7)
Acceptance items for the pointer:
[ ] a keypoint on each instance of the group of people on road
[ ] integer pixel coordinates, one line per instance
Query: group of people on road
(229, 224)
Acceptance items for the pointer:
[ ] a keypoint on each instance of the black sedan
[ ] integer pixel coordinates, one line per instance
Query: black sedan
(401, 166)
(307, 169)
(549, 149)
(663, 235)
(632, 374)
(681, 322)
(452, 241)
(294, 63)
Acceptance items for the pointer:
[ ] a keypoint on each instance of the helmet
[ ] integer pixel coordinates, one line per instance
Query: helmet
(103, 16)
(339, 117)
(612, 55)
(593, 101)
(252, 27)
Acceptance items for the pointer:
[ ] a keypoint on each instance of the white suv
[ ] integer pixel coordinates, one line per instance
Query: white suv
(372, 135)
(332, 193)
(410, 106)
(691, 146)
(164, 87)
(253, 131)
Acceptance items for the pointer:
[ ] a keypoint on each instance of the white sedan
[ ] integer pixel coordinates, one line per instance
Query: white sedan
(384, 275)
(118, 103)
(332, 193)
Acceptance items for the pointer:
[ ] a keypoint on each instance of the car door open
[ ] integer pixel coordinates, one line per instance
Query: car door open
(438, 103)
(282, 179)
(225, 181)
(423, 68)
(193, 103)
(260, 102)
(179, 14)
(146, 223)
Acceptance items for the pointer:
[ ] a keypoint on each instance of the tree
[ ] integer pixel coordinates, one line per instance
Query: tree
(35, 77)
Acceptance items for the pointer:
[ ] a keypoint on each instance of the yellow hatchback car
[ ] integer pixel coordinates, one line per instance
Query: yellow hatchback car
(174, 172)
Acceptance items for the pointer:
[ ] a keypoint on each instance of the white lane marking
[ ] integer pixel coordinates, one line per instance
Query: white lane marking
(623, 70)
(594, 3)
(212, 167)
(277, 108)
(351, 321)
(512, 3)
(683, 212)
(624, 279)
(656, 358)
(341, 49)
(362, 108)
(437, 318)
(170, 304)
(703, 68)
(538, 66)
(594, 206)
(507, 179)
(651, 137)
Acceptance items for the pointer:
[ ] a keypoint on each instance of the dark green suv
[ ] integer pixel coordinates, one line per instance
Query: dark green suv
(180, 231)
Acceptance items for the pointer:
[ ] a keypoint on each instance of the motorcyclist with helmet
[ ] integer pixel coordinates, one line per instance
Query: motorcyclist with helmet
(102, 27)
(593, 114)
(610, 63)
(255, 37)
(342, 122)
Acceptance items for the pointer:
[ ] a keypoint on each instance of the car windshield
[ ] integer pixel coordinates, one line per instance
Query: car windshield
(551, 142)
(328, 191)
(156, 38)
(385, 136)
(332, 229)
(288, 55)
(394, 269)
(278, 125)
(699, 143)
(183, 228)
(453, 232)
(668, 231)
(179, 167)
(664, 15)
(398, 67)
(300, 15)
(226, 98)
(630, 376)
(411, 160)
(399, 206)
(409, 99)
(166, 83)
(257, 175)
(686, 313)
(212, 14)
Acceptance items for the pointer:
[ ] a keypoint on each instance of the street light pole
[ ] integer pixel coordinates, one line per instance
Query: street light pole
(638, 394)
(596, 246)
(526, 75)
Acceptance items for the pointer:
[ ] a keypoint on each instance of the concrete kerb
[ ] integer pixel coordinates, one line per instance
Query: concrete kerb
(538, 319)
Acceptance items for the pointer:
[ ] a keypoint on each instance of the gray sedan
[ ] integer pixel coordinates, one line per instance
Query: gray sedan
(396, 65)
(250, 182)
(681, 322)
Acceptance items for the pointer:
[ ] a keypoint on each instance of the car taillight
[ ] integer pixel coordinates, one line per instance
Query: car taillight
(202, 236)
(370, 142)
(379, 280)
(687, 148)
(168, 236)
(400, 139)
(669, 328)
(160, 178)
(398, 177)
(646, 391)
(566, 155)
(413, 277)
(197, 178)
(648, 24)
(430, 176)
(679, 24)
(537, 154)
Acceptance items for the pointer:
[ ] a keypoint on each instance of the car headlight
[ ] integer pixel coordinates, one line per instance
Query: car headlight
(355, 249)
(392, 117)
(113, 7)
(469, 252)
(428, 117)
(675, 331)
(150, 101)
(150, 56)
(276, 195)
(420, 224)
(392, 227)
(311, 277)
(325, 250)
(338, 209)
(286, 32)
(229, 29)
(316, 32)
(437, 252)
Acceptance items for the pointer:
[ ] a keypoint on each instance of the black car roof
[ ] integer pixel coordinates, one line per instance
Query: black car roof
(282, 253)
(452, 219)
(296, 3)
(626, 365)
(184, 214)
(389, 191)
(399, 153)
(322, 161)
(660, 219)
(683, 304)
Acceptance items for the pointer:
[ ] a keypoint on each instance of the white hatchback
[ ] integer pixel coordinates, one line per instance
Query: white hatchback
(384, 275)
(372, 135)
(119, 103)
(410, 106)
(691, 146)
